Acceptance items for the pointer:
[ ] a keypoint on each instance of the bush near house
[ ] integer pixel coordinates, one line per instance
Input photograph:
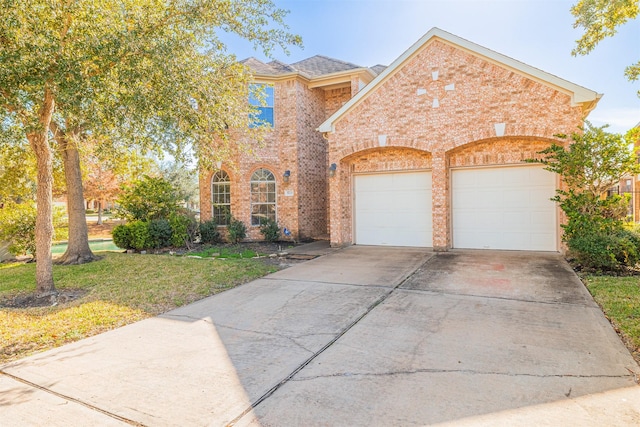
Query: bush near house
(209, 233)
(270, 230)
(591, 163)
(236, 229)
(155, 219)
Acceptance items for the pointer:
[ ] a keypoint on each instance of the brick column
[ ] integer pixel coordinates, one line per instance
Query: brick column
(340, 206)
(441, 204)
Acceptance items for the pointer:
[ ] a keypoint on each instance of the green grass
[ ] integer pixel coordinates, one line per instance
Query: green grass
(226, 252)
(120, 289)
(619, 298)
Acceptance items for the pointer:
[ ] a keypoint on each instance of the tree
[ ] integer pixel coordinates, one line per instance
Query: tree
(101, 183)
(184, 180)
(589, 165)
(17, 171)
(151, 70)
(600, 19)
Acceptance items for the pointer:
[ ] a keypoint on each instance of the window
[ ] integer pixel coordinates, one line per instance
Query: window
(221, 198)
(264, 115)
(263, 196)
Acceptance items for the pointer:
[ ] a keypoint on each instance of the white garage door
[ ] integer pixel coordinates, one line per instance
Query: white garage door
(393, 209)
(504, 208)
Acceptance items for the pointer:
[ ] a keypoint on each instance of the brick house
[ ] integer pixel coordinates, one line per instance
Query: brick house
(425, 152)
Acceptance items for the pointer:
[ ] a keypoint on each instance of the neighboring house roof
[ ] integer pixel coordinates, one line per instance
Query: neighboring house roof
(580, 95)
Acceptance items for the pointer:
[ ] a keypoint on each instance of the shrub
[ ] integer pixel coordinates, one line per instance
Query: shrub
(236, 229)
(184, 229)
(209, 232)
(159, 233)
(18, 227)
(140, 238)
(147, 199)
(122, 236)
(270, 230)
(606, 251)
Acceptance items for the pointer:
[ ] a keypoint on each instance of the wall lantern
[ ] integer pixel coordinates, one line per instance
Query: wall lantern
(219, 164)
(286, 175)
(332, 169)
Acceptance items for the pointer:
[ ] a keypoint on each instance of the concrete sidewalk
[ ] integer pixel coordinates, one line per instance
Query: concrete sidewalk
(362, 336)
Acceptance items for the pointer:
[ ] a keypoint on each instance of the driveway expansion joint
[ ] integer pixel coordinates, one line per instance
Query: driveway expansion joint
(72, 399)
(277, 279)
(460, 294)
(453, 371)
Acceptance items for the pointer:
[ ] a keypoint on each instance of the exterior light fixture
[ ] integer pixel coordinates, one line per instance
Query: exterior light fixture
(286, 175)
(219, 164)
(332, 169)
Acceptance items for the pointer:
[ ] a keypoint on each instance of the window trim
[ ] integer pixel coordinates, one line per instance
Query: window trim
(251, 203)
(214, 205)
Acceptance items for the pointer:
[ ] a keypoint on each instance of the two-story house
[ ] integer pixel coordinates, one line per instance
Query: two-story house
(428, 151)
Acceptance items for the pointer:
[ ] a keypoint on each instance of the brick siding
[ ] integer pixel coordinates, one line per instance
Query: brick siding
(459, 130)
(294, 145)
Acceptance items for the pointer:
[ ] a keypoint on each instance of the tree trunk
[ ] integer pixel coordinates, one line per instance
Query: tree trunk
(99, 212)
(39, 141)
(78, 251)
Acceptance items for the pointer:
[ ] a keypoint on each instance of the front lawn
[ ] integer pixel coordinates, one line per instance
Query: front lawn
(117, 290)
(619, 298)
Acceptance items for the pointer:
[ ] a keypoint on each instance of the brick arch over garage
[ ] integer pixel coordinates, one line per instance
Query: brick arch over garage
(368, 160)
(498, 151)
(391, 158)
(383, 143)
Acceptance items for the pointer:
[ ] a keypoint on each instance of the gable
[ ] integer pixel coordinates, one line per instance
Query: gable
(462, 53)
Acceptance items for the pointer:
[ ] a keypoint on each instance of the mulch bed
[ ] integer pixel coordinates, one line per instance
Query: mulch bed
(33, 300)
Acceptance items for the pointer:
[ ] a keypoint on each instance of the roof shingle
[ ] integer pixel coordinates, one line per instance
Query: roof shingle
(320, 65)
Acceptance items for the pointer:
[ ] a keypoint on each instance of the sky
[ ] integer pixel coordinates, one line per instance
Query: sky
(539, 33)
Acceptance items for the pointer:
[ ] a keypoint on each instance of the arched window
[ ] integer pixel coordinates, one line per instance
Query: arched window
(220, 198)
(263, 196)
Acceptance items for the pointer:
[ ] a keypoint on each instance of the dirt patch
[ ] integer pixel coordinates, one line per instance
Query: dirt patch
(104, 230)
(33, 300)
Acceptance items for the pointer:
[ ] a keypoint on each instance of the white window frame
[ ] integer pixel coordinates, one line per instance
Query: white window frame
(218, 184)
(259, 180)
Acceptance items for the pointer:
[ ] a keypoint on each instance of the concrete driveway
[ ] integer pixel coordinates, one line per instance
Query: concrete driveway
(363, 336)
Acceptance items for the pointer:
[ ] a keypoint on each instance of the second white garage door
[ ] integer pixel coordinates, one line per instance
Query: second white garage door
(393, 209)
(504, 208)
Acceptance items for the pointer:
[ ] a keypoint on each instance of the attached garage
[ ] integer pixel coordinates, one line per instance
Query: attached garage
(393, 209)
(504, 208)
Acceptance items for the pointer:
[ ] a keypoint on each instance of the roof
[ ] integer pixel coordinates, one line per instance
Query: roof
(316, 66)
(321, 65)
(378, 68)
(580, 95)
(259, 67)
(281, 67)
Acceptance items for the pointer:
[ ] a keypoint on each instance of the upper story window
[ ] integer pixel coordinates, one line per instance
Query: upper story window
(263, 196)
(264, 116)
(220, 198)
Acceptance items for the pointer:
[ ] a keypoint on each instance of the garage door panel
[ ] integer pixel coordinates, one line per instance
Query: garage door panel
(393, 209)
(504, 208)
